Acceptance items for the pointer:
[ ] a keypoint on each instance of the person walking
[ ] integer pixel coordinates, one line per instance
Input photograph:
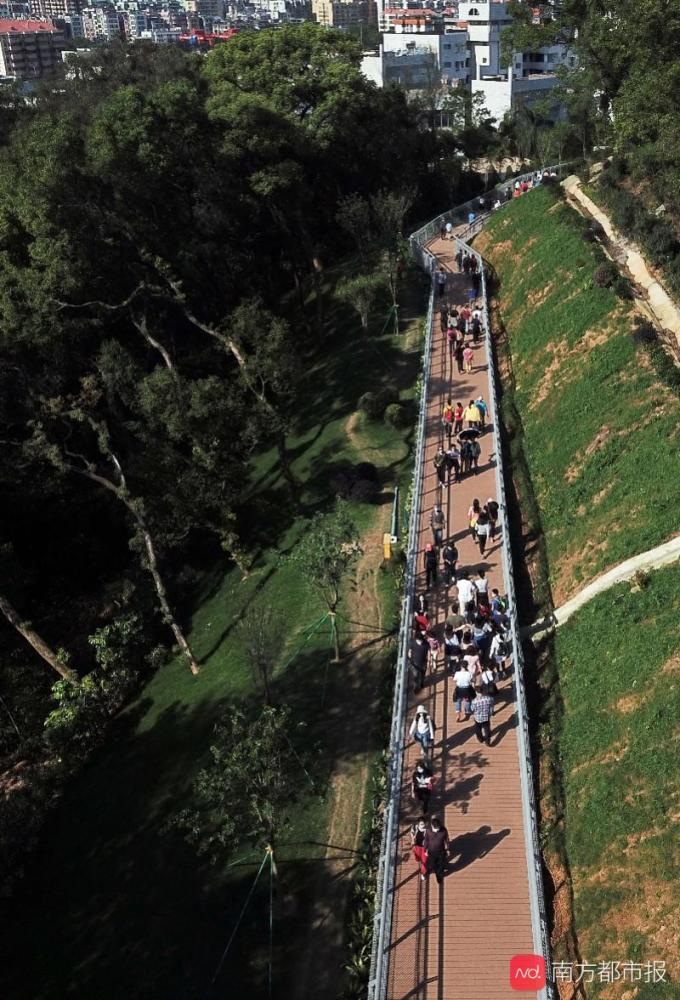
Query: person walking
(498, 653)
(417, 655)
(436, 844)
(472, 416)
(458, 414)
(492, 511)
(430, 564)
(475, 453)
(463, 691)
(459, 355)
(453, 463)
(422, 729)
(443, 318)
(421, 785)
(449, 230)
(468, 355)
(482, 529)
(441, 281)
(450, 562)
(447, 419)
(456, 620)
(483, 412)
(466, 263)
(459, 259)
(482, 585)
(482, 709)
(439, 463)
(418, 831)
(467, 596)
(465, 456)
(451, 649)
(474, 510)
(437, 523)
(475, 329)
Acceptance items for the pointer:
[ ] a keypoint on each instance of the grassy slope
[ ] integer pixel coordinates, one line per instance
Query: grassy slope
(619, 669)
(600, 430)
(112, 908)
(614, 715)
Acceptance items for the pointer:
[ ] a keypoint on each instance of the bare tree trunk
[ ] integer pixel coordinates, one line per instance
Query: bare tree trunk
(163, 598)
(34, 640)
(119, 489)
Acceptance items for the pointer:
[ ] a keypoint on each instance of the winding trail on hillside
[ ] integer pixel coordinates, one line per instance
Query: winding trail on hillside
(656, 558)
(660, 302)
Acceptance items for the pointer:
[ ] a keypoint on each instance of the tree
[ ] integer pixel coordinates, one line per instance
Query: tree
(104, 468)
(260, 630)
(360, 293)
(255, 776)
(55, 660)
(328, 549)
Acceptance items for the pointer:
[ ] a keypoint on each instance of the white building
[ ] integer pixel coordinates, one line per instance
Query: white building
(100, 22)
(423, 60)
(529, 76)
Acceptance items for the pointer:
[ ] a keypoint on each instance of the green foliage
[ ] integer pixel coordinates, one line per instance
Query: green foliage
(605, 275)
(84, 709)
(593, 415)
(396, 415)
(255, 777)
(374, 404)
(619, 756)
(327, 550)
(361, 293)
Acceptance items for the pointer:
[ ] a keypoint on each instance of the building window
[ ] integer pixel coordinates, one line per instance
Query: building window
(447, 65)
(473, 12)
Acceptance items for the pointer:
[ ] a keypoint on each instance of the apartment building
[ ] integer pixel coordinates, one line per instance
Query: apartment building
(29, 49)
(419, 60)
(344, 13)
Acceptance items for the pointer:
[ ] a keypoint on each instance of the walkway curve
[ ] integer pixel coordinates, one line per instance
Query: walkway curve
(656, 558)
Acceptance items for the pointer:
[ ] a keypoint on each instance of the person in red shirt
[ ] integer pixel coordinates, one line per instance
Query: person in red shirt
(458, 418)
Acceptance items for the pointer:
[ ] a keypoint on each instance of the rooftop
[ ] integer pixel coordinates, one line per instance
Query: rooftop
(25, 27)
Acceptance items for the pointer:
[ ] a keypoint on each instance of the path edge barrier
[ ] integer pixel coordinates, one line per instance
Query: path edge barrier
(382, 918)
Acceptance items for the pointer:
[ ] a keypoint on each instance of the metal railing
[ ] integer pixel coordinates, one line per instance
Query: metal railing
(382, 920)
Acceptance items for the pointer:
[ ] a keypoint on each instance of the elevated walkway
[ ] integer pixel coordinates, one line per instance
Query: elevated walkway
(455, 941)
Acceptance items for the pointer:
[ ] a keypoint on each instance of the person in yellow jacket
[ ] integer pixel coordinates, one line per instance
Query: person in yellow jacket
(472, 415)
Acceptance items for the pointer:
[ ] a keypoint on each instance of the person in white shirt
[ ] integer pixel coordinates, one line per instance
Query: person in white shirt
(463, 693)
(467, 594)
(422, 729)
(482, 585)
(498, 653)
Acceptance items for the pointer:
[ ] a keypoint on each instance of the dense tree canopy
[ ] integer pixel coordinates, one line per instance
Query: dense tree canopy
(164, 219)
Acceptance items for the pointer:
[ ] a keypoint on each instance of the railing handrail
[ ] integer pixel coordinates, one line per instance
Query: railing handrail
(382, 919)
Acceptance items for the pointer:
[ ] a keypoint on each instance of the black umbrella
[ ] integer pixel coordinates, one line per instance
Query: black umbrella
(469, 434)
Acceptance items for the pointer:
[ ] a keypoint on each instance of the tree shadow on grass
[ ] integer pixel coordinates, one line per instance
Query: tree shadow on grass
(113, 908)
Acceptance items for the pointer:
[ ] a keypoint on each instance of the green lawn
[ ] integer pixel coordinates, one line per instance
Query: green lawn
(619, 668)
(112, 908)
(600, 429)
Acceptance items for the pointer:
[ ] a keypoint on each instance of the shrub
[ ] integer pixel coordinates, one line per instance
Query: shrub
(396, 416)
(605, 275)
(366, 470)
(623, 288)
(644, 332)
(340, 482)
(373, 404)
(365, 490)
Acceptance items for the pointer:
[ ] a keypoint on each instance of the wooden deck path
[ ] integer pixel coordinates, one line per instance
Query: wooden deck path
(455, 941)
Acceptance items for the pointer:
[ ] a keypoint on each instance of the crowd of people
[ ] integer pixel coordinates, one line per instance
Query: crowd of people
(473, 643)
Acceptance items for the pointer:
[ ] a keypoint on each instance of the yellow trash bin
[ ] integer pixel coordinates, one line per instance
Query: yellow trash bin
(387, 545)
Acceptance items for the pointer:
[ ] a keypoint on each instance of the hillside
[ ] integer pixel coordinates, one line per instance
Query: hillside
(600, 429)
(616, 729)
(596, 432)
